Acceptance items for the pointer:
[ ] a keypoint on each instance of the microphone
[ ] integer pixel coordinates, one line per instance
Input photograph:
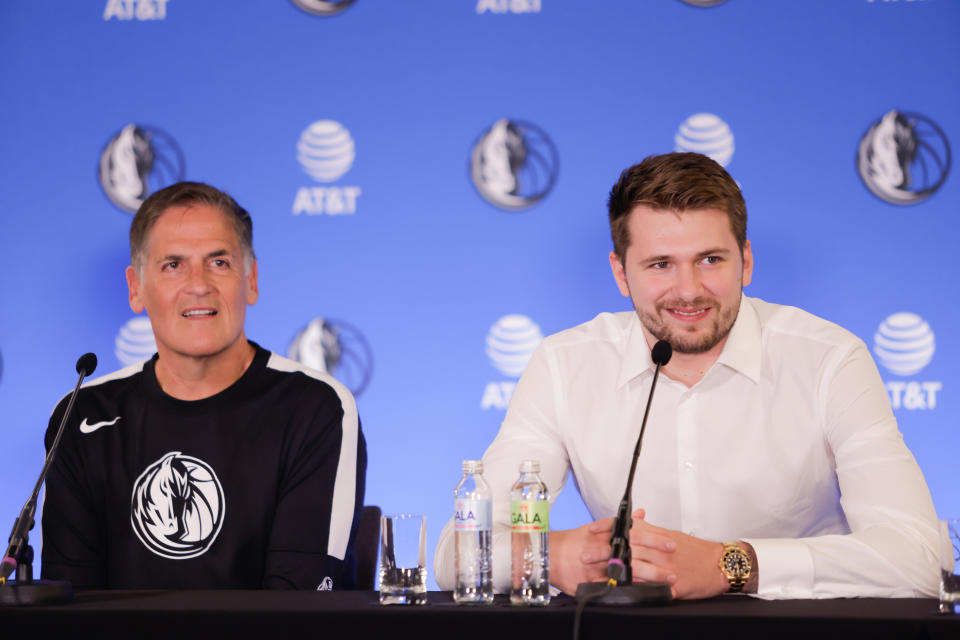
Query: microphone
(619, 588)
(19, 554)
(661, 354)
(87, 364)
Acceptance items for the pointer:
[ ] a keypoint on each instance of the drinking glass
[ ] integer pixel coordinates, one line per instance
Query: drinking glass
(949, 557)
(403, 559)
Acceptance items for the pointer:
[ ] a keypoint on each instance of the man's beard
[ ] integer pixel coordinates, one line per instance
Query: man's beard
(689, 342)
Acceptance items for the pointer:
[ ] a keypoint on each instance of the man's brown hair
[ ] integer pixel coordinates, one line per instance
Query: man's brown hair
(675, 182)
(186, 193)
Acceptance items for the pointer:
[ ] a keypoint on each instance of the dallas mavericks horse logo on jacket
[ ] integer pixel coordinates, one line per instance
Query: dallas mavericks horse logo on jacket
(177, 506)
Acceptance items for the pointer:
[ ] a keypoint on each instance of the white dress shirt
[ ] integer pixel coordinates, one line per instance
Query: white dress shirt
(788, 442)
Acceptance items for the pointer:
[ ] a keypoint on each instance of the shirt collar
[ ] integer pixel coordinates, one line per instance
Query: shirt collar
(743, 349)
(741, 352)
(636, 357)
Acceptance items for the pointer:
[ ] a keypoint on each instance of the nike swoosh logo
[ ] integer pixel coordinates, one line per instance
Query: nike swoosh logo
(90, 428)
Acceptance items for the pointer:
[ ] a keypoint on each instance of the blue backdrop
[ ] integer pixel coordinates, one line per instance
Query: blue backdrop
(428, 179)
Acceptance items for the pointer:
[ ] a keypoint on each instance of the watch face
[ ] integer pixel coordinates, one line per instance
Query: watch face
(737, 563)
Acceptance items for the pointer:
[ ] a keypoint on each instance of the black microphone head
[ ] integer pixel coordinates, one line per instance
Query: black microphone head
(87, 364)
(661, 352)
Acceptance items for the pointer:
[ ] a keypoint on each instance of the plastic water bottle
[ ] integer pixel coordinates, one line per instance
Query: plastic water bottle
(529, 550)
(473, 537)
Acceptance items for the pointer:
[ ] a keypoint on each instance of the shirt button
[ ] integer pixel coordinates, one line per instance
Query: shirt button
(688, 465)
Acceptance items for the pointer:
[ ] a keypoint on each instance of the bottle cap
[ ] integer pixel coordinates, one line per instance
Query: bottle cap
(473, 466)
(530, 466)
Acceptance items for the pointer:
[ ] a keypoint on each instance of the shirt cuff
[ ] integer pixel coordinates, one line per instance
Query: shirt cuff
(785, 567)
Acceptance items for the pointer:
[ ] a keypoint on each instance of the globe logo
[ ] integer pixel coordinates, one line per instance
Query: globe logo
(903, 158)
(510, 343)
(707, 134)
(904, 343)
(323, 7)
(325, 150)
(135, 343)
(137, 161)
(513, 164)
(336, 348)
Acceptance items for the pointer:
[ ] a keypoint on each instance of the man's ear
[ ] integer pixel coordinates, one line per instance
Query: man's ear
(133, 286)
(253, 293)
(747, 263)
(619, 274)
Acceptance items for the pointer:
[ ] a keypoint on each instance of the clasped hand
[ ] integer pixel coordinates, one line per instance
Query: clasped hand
(688, 564)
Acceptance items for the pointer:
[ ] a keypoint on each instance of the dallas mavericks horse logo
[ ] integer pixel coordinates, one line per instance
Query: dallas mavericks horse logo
(514, 164)
(137, 161)
(336, 348)
(323, 7)
(903, 158)
(177, 506)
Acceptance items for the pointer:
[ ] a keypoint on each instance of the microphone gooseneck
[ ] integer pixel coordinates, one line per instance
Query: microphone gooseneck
(18, 550)
(619, 590)
(618, 567)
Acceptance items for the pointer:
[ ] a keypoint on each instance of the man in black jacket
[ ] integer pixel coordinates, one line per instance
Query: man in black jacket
(216, 464)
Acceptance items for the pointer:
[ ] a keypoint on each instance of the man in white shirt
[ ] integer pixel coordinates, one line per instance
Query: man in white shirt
(771, 462)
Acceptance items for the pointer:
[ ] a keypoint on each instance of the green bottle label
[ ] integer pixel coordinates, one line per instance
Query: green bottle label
(530, 516)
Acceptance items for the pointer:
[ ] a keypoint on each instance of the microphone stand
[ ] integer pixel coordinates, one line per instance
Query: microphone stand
(19, 555)
(619, 589)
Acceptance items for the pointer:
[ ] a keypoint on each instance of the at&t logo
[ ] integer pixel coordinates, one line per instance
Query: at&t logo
(510, 342)
(508, 6)
(135, 342)
(707, 134)
(514, 164)
(904, 345)
(135, 9)
(903, 157)
(326, 152)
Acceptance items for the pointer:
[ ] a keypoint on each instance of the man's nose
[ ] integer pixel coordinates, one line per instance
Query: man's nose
(198, 282)
(689, 282)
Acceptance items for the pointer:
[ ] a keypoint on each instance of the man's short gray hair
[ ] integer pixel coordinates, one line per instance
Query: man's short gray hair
(185, 193)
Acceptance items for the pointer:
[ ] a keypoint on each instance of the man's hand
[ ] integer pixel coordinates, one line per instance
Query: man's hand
(694, 563)
(581, 554)
(689, 565)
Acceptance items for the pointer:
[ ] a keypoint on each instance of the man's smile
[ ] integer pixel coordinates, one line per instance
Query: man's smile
(688, 315)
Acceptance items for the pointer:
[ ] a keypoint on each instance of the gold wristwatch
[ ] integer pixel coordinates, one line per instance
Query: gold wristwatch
(735, 565)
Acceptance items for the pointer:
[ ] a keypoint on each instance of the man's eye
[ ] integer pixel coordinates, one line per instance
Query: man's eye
(220, 262)
(169, 266)
(712, 259)
(663, 264)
